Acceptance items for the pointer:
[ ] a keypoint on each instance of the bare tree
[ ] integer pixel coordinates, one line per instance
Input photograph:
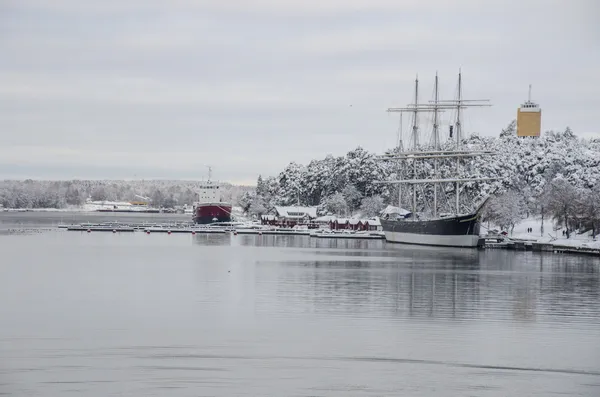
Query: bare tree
(561, 202)
(507, 210)
(589, 209)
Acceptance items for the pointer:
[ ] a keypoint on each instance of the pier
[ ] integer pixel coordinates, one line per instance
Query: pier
(487, 242)
(187, 228)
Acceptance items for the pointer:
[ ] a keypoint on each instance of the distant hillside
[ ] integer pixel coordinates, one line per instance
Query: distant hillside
(60, 194)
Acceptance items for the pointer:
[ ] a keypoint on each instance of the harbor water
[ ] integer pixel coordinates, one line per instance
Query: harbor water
(131, 314)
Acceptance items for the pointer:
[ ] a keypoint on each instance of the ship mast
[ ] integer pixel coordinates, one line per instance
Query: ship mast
(400, 140)
(437, 106)
(415, 132)
(436, 143)
(415, 109)
(400, 149)
(436, 133)
(415, 127)
(458, 138)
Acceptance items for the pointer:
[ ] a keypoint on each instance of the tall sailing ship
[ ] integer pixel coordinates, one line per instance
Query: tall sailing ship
(210, 207)
(457, 228)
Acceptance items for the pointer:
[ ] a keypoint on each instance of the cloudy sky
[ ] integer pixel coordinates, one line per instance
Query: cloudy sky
(162, 88)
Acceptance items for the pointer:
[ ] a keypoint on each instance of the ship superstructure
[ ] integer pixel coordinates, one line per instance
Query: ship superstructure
(210, 207)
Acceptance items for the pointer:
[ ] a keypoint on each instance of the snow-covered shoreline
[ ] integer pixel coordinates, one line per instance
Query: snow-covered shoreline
(76, 209)
(552, 235)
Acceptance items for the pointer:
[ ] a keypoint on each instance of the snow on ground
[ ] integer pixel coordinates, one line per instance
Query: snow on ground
(573, 242)
(73, 209)
(552, 234)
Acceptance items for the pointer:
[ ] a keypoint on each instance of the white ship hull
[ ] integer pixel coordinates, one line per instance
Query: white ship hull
(114, 206)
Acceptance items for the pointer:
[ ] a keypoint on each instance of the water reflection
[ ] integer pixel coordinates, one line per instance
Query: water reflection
(373, 278)
(281, 315)
(442, 284)
(212, 239)
(304, 242)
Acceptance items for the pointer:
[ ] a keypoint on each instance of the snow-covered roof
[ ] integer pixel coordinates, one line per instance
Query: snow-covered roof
(373, 221)
(296, 212)
(355, 221)
(390, 209)
(325, 218)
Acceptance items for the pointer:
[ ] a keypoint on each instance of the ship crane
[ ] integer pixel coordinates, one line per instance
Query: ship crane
(145, 202)
(142, 197)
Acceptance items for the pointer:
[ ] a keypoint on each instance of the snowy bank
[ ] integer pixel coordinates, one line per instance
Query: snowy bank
(74, 209)
(548, 234)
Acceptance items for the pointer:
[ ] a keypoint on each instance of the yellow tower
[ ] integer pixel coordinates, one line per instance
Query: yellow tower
(529, 118)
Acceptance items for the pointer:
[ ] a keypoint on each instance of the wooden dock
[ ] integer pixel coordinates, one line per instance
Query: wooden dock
(350, 236)
(277, 232)
(185, 229)
(116, 229)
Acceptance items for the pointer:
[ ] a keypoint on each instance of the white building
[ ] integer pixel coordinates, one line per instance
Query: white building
(290, 215)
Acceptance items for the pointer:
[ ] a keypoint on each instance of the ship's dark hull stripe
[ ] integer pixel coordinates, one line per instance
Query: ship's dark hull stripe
(457, 231)
(453, 226)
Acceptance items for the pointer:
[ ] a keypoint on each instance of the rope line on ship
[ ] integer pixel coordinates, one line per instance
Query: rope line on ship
(224, 210)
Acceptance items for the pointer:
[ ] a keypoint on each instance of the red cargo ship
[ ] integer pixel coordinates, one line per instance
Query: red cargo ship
(210, 208)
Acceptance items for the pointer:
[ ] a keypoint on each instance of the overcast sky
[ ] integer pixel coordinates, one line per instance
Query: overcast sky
(159, 89)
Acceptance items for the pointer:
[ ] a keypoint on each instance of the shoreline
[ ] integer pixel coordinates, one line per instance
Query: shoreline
(520, 239)
(548, 238)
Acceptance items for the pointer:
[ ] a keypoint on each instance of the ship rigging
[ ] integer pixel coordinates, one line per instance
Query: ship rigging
(454, 229)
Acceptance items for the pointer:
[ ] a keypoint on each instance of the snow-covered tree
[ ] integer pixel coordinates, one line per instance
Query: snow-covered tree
(73, 196)
(352, 197)
(169, 202)
(372, 206)
(260, 186)
(157, 198)
(509, 131)
(246, 201)
(526, 166)
(291, 186)
(336, 204)
(506, 210)
(99, 193)
(257, 208)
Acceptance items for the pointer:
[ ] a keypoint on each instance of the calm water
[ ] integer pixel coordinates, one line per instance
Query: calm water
(179, 315)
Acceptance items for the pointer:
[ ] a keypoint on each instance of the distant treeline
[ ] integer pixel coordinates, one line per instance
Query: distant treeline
(61, 194)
